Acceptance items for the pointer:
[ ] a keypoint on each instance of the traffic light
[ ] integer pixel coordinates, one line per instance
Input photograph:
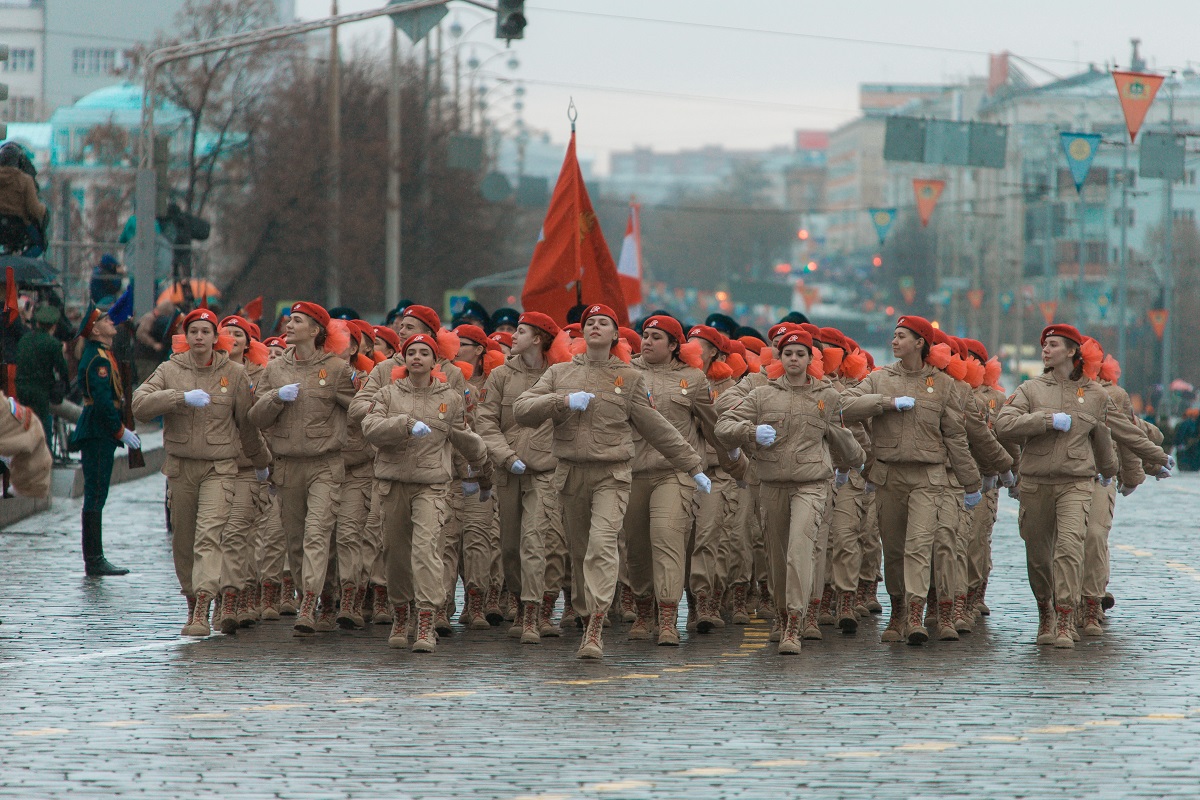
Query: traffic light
(3, 91)
(510, 19)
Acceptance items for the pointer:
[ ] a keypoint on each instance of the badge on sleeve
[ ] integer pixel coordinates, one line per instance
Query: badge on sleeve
(102, 371)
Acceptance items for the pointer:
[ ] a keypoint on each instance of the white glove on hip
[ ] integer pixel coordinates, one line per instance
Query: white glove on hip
(518, 467)
(702, 482)
(764, 435)
(1062, 422)
(971, 499)
(262, 474)
(1008, 479)
(197, 398)
(578, 401)
(420, 429)
(289, 392)
(904, 403)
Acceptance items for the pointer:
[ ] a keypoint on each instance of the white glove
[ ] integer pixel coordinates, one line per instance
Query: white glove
(518, 467)
(262, 474)
(1170, 462)
(485, 495)
(904, 403)
(289, 392)
(1105, 482)
(1163, 472)
(840, 478)
(735, 454)
(470, 488)
(1126, 490)
(764, 435)
(990, 481)
(197, 398)
(420, 429)
(971, 499)
(1062, 422)
(1008, 479)
(868, 487)
(702, 482)
(578, 401)
(131, 440)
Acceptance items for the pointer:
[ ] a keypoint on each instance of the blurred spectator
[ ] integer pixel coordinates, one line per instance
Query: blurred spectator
(107, 278)
(19, 202)
(1187, 441)
(153, 337)
(41, 367)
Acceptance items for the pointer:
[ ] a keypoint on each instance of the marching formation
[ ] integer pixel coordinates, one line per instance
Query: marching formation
(350, 474)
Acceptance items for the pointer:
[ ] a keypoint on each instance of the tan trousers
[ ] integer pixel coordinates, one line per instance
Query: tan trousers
(657, 523)
(451, 539)
(529, 506)
(272, 542)
(309, 493)
(511, 491)
(374, 564)
(1095, 546)
(714, 527)
(594, 497)
(821, 574)
(949, 567)
(480, 551)
(872, 547)
(350, 534)
(793, 514)
(414, 516)
(845, 534)
(979, 542)
(201, 493)
(237, 543)
(1053, 520)
(910, 498)
(737, 553)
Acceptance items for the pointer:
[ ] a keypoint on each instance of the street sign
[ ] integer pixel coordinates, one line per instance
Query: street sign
(417, 24)
(1160, 155)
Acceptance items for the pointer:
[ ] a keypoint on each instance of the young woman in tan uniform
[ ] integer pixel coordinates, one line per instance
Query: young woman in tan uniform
(596, 402)
(795, 423)
(416, 423)
(204, 399)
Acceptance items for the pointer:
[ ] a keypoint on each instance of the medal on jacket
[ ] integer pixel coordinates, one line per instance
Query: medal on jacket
(820, 405)
(929, 384)
(442, 411)
(224, 384)
(321, 377)
(1079, 395)
(618, 383)
(683, 386)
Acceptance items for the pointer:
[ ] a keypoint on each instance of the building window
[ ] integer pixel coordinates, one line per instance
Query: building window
(21, 109)
(93, 61)
(1185, 215)
(20, 59)
(1128, 217)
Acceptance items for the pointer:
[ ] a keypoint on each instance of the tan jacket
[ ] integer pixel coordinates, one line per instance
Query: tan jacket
(731, 397)
(989, 454)
(1051, 456)
(930, 433)
(314, 424)
(23, 440)
(427, 459)
(254, 374)
(682, 395)
(604, 431)
(494, 420)
(358, 450)
(381, 376)
(809, 436)
(1131, 470)
(217, 432)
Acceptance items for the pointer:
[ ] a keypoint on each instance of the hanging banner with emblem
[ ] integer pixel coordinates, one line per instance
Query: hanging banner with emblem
(908, 289)
(1049, 309)
(1136, 91)
(975, 298)
(882, 218)
(927, 192)
(1080, 149)
(1158, 321)
(1006, 301)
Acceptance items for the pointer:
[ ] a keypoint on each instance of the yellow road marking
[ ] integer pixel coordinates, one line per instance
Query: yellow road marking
(203, 715)
(41, 732)
(1162, 717)
(273, 707)
(781, 762)
(616, 786)
(359, 700)
(752, 646)
(581, 682)
(1001, 739)
(735, 655)
(932, 747)
(707, 771)
(1143, 552)
(640, 676)
(1102, 723)
(857, 754)
(121, 723)
(446, 694)
(1056, 729)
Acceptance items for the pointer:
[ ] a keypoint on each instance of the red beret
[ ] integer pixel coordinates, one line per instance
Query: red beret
(811, 329)
(388, 335)
(960, 347)
(318, 314)
(1065, 331)
(421, 338)
(598, 309)
(797, 337)
(503, 338)
(780, 328)
(542, 322)
(241, 323)
(752, 343)
(275, 341)
(834, 337)
(918, 325)
(363, 327)
(575, 330)
(631, 337)
(428, 317)
(472, 333)
(710, 335)
(668, 325)
(976, 348)
(200, 315)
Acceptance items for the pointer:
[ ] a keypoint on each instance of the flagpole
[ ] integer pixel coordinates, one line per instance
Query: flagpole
(572, 115)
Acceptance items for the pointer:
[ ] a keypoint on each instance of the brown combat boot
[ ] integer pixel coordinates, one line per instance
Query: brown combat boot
(306, 615)
(1065, 627)
(475, 619)
(789, 640)
(810, 627)
(191, 604)
(247, 606)
(490, 607)
(981, 606)
(530, 628)
(894, 632)
(706, 614)
(381, 611)
(426, 641)
(569, 615)
(441, 625)
(873, 598)
(847, 618)
(227, 620)
(825, 610)
(917, 633)
(643, 619)
(326, 613)
(546, 618)
(399, 635)
(860, 599)
(593, 645)
(1091, 617)
(346, 618)
(628, 603)
(509, 605)
(962, 616)
(1045, 634)
(945, 621)
(668, 624)
(270, 600)
(778, 622)
(288, 605)
(741, 608)
(766, 606)
(199, 624)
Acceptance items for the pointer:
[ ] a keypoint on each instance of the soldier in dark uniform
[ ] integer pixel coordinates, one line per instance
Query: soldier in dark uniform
(98, 432)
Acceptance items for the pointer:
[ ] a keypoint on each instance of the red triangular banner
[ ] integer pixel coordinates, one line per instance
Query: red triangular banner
(1136, 90)
(1158, 321)
(927, 192)
(1049, 309)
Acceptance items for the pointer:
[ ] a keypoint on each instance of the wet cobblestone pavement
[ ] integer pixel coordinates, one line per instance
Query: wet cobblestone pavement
(100, 697)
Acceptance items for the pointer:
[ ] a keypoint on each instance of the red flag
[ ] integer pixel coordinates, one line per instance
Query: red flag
(1136, 90)
(927, 193)
(253, 310)
(629, 263)
(1048, 308)
(571, 263)
(11, 301)
(1158, 321)
(975, 297)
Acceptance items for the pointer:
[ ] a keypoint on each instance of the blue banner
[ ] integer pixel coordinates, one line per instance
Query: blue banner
(883, 219)
(1080, 149)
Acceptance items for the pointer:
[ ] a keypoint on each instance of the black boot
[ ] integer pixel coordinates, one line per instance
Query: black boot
(94, 562)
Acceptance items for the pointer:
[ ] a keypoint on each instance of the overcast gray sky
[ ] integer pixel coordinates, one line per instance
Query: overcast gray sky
(804, 76)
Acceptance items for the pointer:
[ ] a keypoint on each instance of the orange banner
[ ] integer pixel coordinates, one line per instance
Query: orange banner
(975, 298)
(1049, 309)
(927, 192)
(1158, 321)
(811, 295)
(909, 293)
(1136, 91)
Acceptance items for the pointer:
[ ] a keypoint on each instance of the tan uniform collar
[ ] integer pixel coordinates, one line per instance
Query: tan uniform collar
(185, 360)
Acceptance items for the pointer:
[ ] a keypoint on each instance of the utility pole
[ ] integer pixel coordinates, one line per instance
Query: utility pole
(333, 289)
(1122, 274)
(394, 232)
(1168, 258)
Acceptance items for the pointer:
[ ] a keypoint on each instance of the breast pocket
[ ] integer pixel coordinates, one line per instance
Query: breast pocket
(782, 435)
(1079, 446)
(318, 411)
(608, 419)
(218, 423)
(929, 426)
(809, 447)
(432, 447)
